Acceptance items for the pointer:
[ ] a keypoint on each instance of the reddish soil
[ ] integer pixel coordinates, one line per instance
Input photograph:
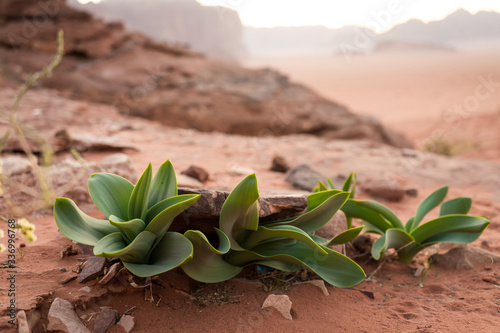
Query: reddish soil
(444, 300)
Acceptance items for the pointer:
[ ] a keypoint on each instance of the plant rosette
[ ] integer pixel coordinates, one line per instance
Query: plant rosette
(137, 220)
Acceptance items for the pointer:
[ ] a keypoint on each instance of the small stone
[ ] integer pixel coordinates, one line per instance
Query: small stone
(388, 189)
(22, 323)
(465, 257)
(62, 269)
(304, 177)
(317, 283)
(127, 322)
(93, 268)
(105, 319)
(111, 273)
(408, 152)
(237, 170)
(196, 172)
(186, 181)
(411, 191)
(63, 318)
(279, 164)
(85, 289)
(281, 303)
(71, 278)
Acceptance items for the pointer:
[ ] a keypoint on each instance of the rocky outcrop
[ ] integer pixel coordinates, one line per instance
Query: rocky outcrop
(169, 84)
(212, 30)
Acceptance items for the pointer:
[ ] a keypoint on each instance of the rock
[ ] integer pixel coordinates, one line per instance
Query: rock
(387, 189)
(304, 177)
(105, 319)
(281, 303)
(111, 273)
(126, 322)
(196, 172)
(93, 268)
(84, 142)
(22, 323)
(411, 191)
(363, 243)
(407, 152)
(317, 283)
(63, 318)
(332, 228)
(279, 164)
(85, 289)
(465, 257)
(186, 181)
(14, 166)
(238, 170)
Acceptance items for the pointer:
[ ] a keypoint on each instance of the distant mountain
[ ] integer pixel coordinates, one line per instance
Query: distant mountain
(458, 27)
(214, 31)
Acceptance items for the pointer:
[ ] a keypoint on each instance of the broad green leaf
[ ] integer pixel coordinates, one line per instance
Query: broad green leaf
(138, 204)
(333, 267)
(429, 203)
(240, 212)
(208, 264)
(111, 194)
(346, 236)
(456, 206)
(130, 229)
(393, 239)
(382, 210)
(174, 250)
(266, 234)
(353, 208)
(321, 207)
(406, 254)
(114, 245)
(78, 226)
(164, 184)
(370, 228)
(165, 211)
(450, 224)
(276, 264)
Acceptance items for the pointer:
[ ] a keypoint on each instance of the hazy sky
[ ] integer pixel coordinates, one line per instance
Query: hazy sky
(380, 15)
(336, 13)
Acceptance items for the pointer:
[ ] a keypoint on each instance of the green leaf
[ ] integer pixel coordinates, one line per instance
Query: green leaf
(138, 204)
(382, 210)
(393, 239)
(130, 229)
(321, 207)
(457, 225)
(456, 206)
(164, 212)
(164, 184)
(321, 186)
(330, 183)
(78, 226)
(208, 264)
(240, 212)
(111, 194)
(429, 203)
(114, 245)
(370, 228)
(333, 267)
(354, 208)
(266, 234)
(173, 250)
(346, 236)
(350, 185)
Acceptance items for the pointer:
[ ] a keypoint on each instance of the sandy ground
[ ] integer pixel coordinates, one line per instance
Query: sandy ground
(443, 300)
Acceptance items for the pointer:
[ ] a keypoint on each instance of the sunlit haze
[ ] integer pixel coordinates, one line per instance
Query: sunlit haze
(271, 13)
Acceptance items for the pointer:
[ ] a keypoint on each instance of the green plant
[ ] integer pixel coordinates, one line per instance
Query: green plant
(452, 226)
(137, 220)
(288, 245)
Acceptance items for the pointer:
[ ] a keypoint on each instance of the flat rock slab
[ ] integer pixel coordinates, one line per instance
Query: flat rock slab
(62, 318)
